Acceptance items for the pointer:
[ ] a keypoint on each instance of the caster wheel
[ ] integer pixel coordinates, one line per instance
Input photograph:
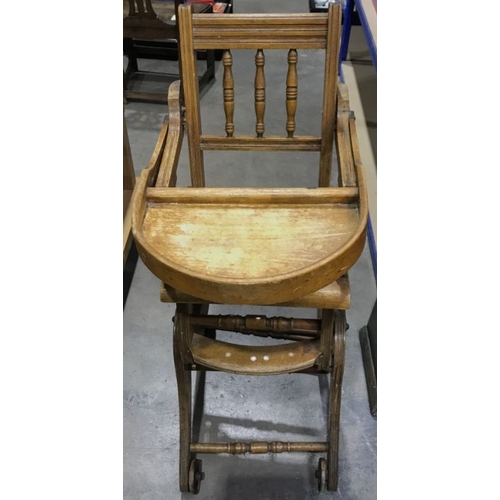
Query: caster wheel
(196, 476)
(321, 475)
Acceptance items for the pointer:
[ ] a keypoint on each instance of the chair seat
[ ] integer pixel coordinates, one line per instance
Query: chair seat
(336, 295)
(279, 245)
(254, 360)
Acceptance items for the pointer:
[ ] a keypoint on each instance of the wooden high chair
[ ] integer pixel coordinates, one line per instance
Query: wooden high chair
(290, 247)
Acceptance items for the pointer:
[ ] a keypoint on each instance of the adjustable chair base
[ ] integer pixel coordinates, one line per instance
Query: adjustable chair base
(191, 320)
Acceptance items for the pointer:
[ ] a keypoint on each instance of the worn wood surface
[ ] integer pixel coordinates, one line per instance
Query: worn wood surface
(260, 92)
(259, 447)
(167, 175)
(183, 376)
(256, 31)
(160, 156)
(326, 320)
(254, 360)
(269, 246)
(236, 266)
(330, 94)
(228, 83)
(252, 322)
(205, 244)
(337, 375)
(191, 95)
(254, 196)
(336, 295)
(268, 143)
(291, 92)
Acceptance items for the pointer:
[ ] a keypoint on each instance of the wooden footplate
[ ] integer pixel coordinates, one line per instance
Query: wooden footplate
(254, 360)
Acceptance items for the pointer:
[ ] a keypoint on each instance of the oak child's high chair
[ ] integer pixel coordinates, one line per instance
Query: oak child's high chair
(290, 247)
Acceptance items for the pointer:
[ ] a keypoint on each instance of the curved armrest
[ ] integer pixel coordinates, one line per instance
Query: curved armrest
(346, 139)
(167, 175)
(161, 170)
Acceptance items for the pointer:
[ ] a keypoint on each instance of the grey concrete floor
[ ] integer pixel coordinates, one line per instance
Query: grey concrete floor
(282, 408)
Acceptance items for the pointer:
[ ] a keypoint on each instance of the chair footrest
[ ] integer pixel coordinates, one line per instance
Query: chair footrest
(254, 360)
(259, 447)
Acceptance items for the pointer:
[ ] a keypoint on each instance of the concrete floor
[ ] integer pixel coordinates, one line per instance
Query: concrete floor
(292, 407)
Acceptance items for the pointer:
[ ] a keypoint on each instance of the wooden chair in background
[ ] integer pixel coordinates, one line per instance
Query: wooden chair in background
(150, 32)
(290, 247)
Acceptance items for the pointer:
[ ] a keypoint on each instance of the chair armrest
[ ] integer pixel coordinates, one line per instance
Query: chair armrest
(161, 170)
(167, 175)
(346, 140)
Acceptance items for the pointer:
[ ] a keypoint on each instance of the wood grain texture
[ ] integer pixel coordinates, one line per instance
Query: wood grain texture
(330, 93)
(252, 323)
(260, 447)
(254, 360)
(337, 375)
(191, 95)
(260, 92)
(336, 295)
(167, 174)
(253, 196)
(228, 85)
(291, 92)
(254, 31)
(282, 246)
(284, 279)
(253, 243)
(342, 97)
(268, 143)
(326, 342)
(159, 161)
(183, 377)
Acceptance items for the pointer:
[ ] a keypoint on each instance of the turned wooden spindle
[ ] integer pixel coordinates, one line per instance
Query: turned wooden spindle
(251, 324)
(259, 447)
(228, 86)
(291, 92)
(260, 92)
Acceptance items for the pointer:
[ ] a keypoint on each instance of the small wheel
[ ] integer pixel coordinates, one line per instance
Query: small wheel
(321, 475)
(196, 476)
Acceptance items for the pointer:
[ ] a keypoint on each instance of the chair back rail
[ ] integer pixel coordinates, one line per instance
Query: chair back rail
(293, 32)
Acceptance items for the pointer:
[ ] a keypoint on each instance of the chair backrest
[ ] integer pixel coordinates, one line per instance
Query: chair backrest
(141, 8)
(142, 20)
(259, 32)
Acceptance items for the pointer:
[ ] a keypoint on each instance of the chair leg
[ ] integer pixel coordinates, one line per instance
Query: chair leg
(337, 375)
(185, 413)
(202, 310)
(129, 50)
(327, 317)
